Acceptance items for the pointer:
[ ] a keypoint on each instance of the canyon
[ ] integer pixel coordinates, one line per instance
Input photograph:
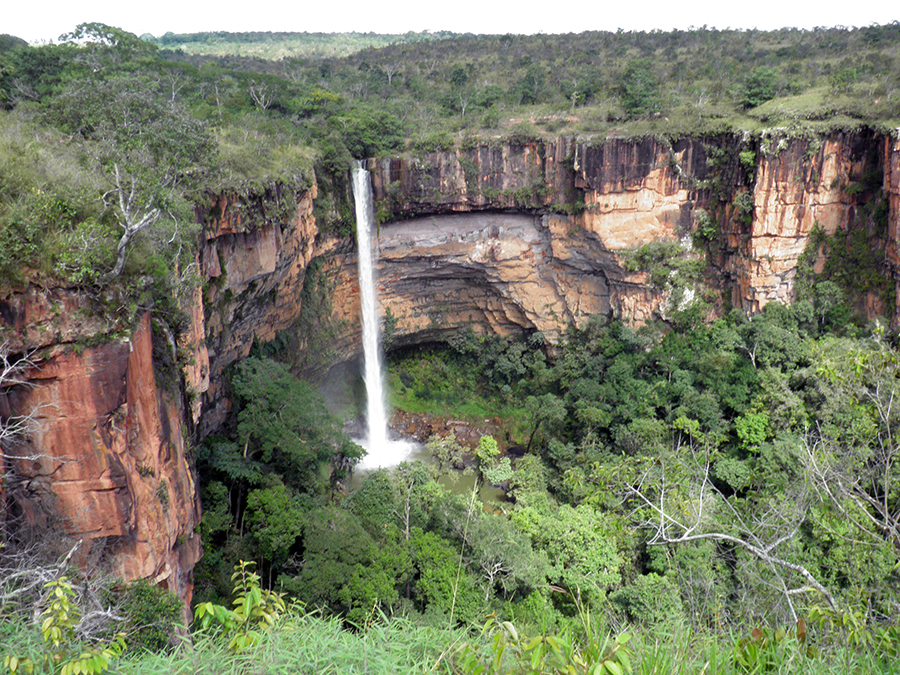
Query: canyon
(509, 237)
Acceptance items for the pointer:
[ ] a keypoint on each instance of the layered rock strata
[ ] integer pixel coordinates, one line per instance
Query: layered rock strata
(514, 237)
(105, 462)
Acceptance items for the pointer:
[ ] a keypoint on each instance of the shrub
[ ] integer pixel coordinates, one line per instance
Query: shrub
(152, 615)
(650, 599)
(760, 86)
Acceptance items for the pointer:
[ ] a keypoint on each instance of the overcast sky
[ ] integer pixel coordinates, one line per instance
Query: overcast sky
(45, 20)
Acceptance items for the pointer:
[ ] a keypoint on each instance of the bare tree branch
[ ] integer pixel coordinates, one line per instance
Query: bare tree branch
(671, 525)
(14, 428)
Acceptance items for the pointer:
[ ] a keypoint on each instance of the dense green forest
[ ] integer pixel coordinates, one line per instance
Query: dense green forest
(242, 123)
(680, 497)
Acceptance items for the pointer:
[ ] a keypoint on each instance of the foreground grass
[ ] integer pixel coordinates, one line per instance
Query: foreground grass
(309, 643)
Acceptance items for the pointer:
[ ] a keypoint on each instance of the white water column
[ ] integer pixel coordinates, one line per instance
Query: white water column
(381, 451)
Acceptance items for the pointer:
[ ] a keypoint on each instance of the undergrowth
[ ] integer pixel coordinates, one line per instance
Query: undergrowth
(310, 643)
(436, 381)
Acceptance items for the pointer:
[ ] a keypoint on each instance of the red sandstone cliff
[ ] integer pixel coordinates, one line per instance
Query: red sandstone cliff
(509, 237)
(106, 463)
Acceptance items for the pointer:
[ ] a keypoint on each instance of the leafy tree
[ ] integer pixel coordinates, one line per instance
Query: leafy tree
(275, 520)
(153, 614)
(284, 424)
(444, 588)
(530, 87)
(505, 557)
(149, 151)
(375, 503)
(581, 550)
(343, 568)
(544, 409)
(639, 89)
(650, 599)
(34, 73)
(368, 130)
(760, 86)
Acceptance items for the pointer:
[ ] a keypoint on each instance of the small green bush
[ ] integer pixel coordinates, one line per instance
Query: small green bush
(650, 600)
(152, 614)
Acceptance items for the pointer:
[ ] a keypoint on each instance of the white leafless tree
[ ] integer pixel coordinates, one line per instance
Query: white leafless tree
(13, 369)
(692, 508)
(262, 94)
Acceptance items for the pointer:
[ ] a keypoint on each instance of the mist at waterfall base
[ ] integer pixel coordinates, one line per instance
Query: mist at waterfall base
(381, 451)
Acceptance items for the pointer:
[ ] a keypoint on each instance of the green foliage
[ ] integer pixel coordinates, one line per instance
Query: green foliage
(46, 208)
(500, 472)
(284, 424)
(344, 569)
(766, 651)
(748, 163)
(848, 626)
(707, 229)
(639, 89)
(473, 381)
(760, 86)
(63, 652)
(369, 130)
(580, 545)
(152, 615)
(650, 599)
(276, 519)
(255, 155)
(445, 588)
(743, 208)
(261, 482)
(529, 88)
(510, 652)
(447, 451)
(487, 450)
(852, 271)
(255, 610)
(752, 429)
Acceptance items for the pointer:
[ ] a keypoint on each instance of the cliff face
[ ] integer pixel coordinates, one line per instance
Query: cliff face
(538, 236)
(507, 238)
(822, 183)
(105, 461)
(254, 278)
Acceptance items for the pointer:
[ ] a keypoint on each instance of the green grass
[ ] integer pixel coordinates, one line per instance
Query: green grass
(437, 382)
(308, 643)
(304, 642)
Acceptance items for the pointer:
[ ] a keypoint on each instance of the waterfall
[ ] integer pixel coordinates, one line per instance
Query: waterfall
(380, 450)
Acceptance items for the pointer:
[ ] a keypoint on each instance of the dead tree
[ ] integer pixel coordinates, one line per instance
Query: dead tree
(678, 512)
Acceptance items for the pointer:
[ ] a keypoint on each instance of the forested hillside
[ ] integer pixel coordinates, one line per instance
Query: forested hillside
(685, 495)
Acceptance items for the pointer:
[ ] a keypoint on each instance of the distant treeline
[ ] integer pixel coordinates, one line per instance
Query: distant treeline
(171, 38)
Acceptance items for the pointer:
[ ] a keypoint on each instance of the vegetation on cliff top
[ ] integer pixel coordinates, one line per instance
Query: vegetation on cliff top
(101, 177)
(737, 479)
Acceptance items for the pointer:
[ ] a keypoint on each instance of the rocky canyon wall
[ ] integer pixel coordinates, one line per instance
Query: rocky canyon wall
(540, 235)
(508, 237)
(117, 402)
(105, 465)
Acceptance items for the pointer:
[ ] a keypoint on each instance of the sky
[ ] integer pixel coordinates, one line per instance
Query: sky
(45, 20)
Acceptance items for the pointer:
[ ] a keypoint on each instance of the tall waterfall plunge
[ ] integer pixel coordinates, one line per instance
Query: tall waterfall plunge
(381, 451)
